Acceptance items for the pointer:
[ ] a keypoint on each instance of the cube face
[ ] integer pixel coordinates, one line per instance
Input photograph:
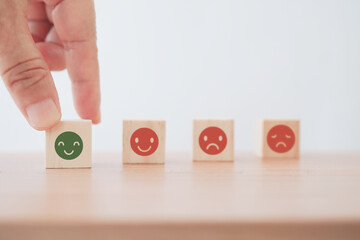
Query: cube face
(213, 140)
(277, 138)
(69, 145)
(143, 141)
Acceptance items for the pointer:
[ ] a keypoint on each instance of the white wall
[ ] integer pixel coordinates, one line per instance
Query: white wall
(179, 60)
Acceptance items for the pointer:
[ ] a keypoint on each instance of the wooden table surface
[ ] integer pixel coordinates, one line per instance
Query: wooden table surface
(315, 197)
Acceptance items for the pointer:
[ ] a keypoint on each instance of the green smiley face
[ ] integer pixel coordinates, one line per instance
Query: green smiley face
(68, 145)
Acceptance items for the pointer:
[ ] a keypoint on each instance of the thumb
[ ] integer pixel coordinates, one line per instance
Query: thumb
(23, 69)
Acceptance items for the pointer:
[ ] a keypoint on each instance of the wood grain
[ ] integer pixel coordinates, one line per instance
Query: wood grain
(129, 127)
(81, 127)
(226, 125)
(263, 127)
(314, 197)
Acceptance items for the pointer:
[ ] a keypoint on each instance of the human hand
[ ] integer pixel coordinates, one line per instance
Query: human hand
(37, 36)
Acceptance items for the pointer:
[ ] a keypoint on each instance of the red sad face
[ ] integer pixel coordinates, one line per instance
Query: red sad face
(281, 138)
(144, 141)
(212, 140)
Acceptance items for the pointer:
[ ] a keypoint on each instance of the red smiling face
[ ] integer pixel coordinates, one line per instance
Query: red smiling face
(281, 138)
(212, 140)
(144, 141)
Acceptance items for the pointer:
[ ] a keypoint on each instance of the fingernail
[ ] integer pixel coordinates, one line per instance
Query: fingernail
(97, 119)
(43, 115)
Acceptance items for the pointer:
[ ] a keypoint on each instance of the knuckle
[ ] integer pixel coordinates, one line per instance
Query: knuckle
(25, 75)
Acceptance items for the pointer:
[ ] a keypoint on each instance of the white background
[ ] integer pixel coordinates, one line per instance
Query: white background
(179, 60)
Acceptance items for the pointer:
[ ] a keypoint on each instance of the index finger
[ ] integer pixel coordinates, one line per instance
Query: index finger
(74, 22)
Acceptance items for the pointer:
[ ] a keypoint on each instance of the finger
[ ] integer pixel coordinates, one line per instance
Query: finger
(39, 30)
(53, 51)
(53, 37)
(23, 69)
(53, 55)
(48, 10)
(75, 24)
(36, 11)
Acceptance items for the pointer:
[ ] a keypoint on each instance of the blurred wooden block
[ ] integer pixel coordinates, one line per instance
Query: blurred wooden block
(68, 145)
(213, 140)
(277, 138)
(143, 141)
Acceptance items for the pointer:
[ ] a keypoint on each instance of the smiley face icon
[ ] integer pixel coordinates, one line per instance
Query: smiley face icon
(281, 138)
(68, 145)
(212, 140)
(144, 141)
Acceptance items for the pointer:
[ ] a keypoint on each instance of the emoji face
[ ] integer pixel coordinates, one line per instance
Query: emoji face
(144, 141)
(68, 145)
(281, 138)
(212, 140)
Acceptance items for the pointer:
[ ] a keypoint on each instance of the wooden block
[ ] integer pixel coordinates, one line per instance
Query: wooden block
(143, 141)
(68, 145)
(277, 138)
(213, 140)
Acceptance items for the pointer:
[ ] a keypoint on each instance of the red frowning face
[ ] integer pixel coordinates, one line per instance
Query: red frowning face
(144, 141)
(212, 140)
(281, 138)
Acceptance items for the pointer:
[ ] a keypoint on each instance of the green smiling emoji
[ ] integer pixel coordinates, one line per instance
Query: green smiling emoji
(68, 145)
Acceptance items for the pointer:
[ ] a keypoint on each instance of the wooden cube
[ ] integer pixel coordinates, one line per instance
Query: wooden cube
(277, 138)
(213, 140)
(68, 145)
(143, 141)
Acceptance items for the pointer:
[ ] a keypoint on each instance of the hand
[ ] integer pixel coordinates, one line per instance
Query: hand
(38, 36)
